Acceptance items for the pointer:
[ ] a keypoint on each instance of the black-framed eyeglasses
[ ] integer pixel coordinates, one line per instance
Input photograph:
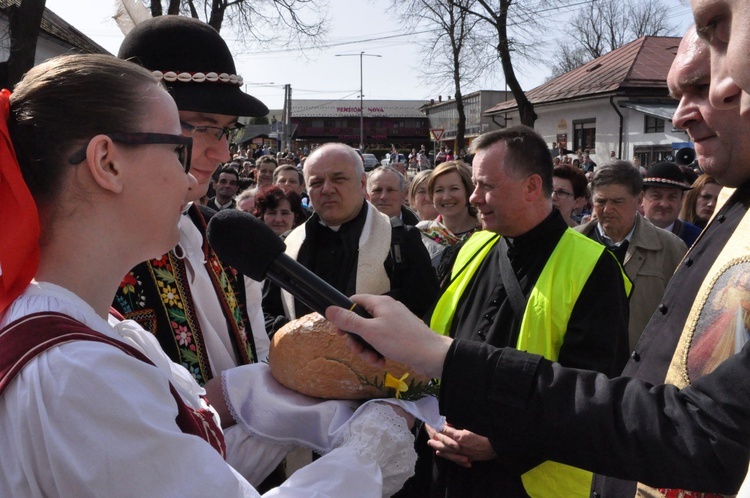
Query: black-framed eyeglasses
(184, 145)
(562, 194)
(213, 131)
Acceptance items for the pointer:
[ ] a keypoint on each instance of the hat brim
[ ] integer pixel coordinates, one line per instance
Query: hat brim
(216, 98)
(665, 184)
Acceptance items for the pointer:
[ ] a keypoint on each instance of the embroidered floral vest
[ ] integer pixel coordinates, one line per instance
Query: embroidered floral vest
(156, 294)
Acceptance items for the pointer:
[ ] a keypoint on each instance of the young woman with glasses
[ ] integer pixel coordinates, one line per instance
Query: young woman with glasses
(93, 180)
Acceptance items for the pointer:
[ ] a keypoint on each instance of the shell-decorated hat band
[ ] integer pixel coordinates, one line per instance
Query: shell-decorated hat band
(185, 77)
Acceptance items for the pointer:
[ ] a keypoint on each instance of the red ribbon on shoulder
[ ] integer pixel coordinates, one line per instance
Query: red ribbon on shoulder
(19, 219)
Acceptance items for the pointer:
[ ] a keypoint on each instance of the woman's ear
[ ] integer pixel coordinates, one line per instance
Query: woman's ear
(104, 163)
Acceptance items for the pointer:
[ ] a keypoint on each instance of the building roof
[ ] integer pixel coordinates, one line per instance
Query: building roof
(55, 26)
(642, 63)
(350, 108)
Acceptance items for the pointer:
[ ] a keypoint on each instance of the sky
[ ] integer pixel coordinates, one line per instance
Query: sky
(355, 26)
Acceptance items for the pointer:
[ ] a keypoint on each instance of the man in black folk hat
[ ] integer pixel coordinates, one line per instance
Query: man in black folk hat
(663, 189)
(195, 305)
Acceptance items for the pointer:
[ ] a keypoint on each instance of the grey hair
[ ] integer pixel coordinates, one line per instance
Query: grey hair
(383, 170)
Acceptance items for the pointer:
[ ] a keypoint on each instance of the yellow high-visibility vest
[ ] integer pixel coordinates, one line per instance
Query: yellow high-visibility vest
(545, 321)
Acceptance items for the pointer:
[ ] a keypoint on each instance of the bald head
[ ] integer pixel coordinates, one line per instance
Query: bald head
(341, 151)
(335, 179)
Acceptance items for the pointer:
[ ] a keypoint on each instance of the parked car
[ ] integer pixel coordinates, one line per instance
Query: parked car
(371, 162)
(393, 158)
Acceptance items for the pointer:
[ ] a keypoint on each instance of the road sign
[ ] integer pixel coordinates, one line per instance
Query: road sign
(437, 133)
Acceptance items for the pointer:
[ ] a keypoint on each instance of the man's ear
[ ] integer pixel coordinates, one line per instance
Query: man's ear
(534, 187)
(104, 163)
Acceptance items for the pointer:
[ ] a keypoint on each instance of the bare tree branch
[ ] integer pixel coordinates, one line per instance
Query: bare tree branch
(454, 53)
(605, 25)
(649, 18)
(261, 22)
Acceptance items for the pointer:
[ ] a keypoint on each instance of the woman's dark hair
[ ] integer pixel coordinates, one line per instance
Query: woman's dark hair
(270, 196)
(67, 100)
(575, 176)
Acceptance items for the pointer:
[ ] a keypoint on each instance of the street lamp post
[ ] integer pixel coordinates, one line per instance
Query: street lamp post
(361, 96)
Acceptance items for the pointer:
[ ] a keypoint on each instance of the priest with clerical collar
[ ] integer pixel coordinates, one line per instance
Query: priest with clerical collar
(349, 243)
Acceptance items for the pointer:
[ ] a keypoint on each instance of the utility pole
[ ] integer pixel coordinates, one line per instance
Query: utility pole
(361, 97)
(288, 116)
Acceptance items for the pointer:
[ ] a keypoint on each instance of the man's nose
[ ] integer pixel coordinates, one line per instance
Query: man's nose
(723, 91)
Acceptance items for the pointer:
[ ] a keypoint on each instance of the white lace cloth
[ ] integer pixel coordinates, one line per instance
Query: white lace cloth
(378, 433)
(270, 411)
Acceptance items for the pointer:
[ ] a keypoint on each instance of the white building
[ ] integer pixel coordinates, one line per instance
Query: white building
(618, 102)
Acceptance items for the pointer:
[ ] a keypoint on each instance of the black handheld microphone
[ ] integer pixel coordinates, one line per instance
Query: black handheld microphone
(252, 248)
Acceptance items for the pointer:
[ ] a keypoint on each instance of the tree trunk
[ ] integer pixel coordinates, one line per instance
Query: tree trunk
(525, 108)
(461, 128)
(217, 14)
(156, 8)
(173, 9)
(25, 23)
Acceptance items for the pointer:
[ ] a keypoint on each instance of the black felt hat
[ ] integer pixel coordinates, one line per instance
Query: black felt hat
(195, 64)
(665, 174)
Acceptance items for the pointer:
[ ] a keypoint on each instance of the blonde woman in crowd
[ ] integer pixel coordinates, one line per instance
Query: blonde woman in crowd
(419, 197)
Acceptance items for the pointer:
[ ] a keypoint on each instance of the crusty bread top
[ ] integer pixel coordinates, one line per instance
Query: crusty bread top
(309, 356)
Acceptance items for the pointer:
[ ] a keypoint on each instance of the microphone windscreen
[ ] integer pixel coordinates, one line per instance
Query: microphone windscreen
(244, 242)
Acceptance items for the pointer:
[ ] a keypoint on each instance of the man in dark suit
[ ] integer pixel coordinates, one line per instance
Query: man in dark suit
(226, 187)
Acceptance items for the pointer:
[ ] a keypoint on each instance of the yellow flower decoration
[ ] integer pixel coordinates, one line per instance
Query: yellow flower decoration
(398, 384)
(169, 295)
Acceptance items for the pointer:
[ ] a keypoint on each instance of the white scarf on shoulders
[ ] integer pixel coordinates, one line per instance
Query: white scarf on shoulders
(374, 245)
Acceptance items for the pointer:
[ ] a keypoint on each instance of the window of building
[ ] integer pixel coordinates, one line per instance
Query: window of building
(649, 154)
(653, 124)
(584, 134)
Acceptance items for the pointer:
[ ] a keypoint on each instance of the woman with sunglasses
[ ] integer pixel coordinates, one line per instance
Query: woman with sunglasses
(89, 404)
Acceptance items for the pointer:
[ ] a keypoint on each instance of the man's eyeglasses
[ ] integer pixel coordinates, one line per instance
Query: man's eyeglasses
(213, 131)
(184, 145)
(562, 194)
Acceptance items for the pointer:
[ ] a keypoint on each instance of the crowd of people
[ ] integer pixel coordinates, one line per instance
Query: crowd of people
(587, 322)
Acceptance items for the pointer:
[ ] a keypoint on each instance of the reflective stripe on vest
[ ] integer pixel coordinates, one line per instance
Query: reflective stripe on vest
(548, 309)
(468, 261)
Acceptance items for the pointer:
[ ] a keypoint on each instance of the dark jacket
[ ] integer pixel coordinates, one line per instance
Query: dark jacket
(632, 427)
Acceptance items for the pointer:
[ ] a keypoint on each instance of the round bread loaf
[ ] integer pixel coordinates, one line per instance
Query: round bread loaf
(308, 355)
